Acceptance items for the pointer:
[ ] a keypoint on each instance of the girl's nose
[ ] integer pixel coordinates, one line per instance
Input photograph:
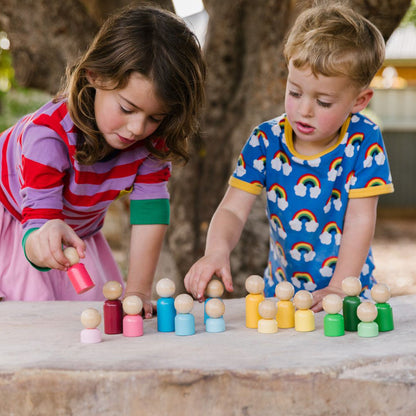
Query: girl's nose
(306, 107)
(137, 124)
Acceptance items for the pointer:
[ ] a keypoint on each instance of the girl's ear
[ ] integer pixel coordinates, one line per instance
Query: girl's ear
(362, 100)
(92, 77)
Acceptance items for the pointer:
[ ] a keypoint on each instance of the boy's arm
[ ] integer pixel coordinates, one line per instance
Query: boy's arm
(357, 235)
(145, 247)
(223, 234)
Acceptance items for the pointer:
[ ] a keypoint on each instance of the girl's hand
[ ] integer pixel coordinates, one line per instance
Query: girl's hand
(198, 276)
(320, 294)
(44, 246)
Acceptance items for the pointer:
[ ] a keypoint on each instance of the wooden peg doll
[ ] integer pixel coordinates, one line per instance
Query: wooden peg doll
(285, 309)
(267, 310)
(113, 310)
(132, 321)
(254, 286)
(304, 316)
(381, 294)
(215, 308)
(77, 272)
(367, 313)
(333, 320)
(184, 320)
(351, 286)
(165, 288)
(90, 319)
(215, 289)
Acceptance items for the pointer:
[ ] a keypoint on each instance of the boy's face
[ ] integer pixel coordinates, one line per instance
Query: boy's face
(317, 107)
(130, 114)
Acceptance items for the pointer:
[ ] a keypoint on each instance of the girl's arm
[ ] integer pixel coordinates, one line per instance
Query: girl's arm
(223, 235)
(145, 247)
(357, 235)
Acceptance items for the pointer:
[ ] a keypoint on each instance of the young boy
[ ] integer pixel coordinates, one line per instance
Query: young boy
(322, 164)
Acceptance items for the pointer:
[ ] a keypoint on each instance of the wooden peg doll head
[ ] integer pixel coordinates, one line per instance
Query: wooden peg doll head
(367, 312)
(215, 308)
(303, 299)
(215, 289)
(351, 286)
(184, 303)
(332, 303)
(268, 309)
(71, 254)
(112, 290)
(254, 284)
(90, 318)
(284, 290)
(165, 288)
(380, 293)
(132, 305)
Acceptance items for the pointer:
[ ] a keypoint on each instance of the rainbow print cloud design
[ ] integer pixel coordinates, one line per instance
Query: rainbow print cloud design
(351, 180)
(240, 170)
(333, 200)
(279, 253)
(306, 182)
(353, 143)
(304, 248)
(328, 266)
(304, 278)
(374, 153)
(277, 193)
(281, 162)
(306, 217)
(331, 233)
(259, 163)
(335, 169)
(278, 226)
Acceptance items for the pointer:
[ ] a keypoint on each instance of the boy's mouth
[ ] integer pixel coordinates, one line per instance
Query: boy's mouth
(304, 128)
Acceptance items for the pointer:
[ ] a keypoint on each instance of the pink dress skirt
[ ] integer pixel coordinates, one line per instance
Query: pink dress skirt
(19, 280)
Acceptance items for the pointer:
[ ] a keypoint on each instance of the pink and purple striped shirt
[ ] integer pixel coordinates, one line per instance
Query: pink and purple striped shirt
(41, 180)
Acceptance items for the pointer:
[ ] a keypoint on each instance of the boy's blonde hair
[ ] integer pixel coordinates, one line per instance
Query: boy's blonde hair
(334, 40)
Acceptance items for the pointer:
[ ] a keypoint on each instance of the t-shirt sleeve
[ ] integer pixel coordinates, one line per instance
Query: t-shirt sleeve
(250, 172)
(371, 175)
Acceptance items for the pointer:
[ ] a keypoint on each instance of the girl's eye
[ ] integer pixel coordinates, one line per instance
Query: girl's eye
(125, 111)
(324, 104)
(156, 119)
(294, 94)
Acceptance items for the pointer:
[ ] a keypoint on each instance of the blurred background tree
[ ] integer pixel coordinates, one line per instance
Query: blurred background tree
(245, 85)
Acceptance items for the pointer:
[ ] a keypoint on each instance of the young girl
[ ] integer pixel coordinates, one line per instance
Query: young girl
(127, 109)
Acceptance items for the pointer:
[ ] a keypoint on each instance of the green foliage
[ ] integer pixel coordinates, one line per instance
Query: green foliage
(18, 102)
(410, 16)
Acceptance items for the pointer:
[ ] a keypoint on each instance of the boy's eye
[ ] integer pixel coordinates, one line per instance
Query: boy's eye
(324, 104)
(294, 94)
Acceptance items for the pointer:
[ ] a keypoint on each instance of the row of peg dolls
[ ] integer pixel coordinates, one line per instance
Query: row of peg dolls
(173, 314)
(293, 310)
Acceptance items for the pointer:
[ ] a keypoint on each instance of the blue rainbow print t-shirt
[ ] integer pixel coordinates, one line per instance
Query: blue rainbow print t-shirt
(307, 196)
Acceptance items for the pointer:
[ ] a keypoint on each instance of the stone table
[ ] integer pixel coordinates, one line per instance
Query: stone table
(45, 370)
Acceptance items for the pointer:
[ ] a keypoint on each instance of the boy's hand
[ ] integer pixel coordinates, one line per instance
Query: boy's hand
(44, 246)
(320, 294)
(198, 276)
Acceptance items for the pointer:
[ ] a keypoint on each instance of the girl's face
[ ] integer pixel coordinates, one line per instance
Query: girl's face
(317, 107)
(127, 115)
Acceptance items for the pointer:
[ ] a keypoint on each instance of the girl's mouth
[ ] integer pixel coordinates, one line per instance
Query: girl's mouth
(304, 128)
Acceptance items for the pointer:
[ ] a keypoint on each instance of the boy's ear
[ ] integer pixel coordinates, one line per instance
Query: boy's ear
(362, 100)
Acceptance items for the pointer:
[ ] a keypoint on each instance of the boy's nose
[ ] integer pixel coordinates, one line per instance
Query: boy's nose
(306, 107)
